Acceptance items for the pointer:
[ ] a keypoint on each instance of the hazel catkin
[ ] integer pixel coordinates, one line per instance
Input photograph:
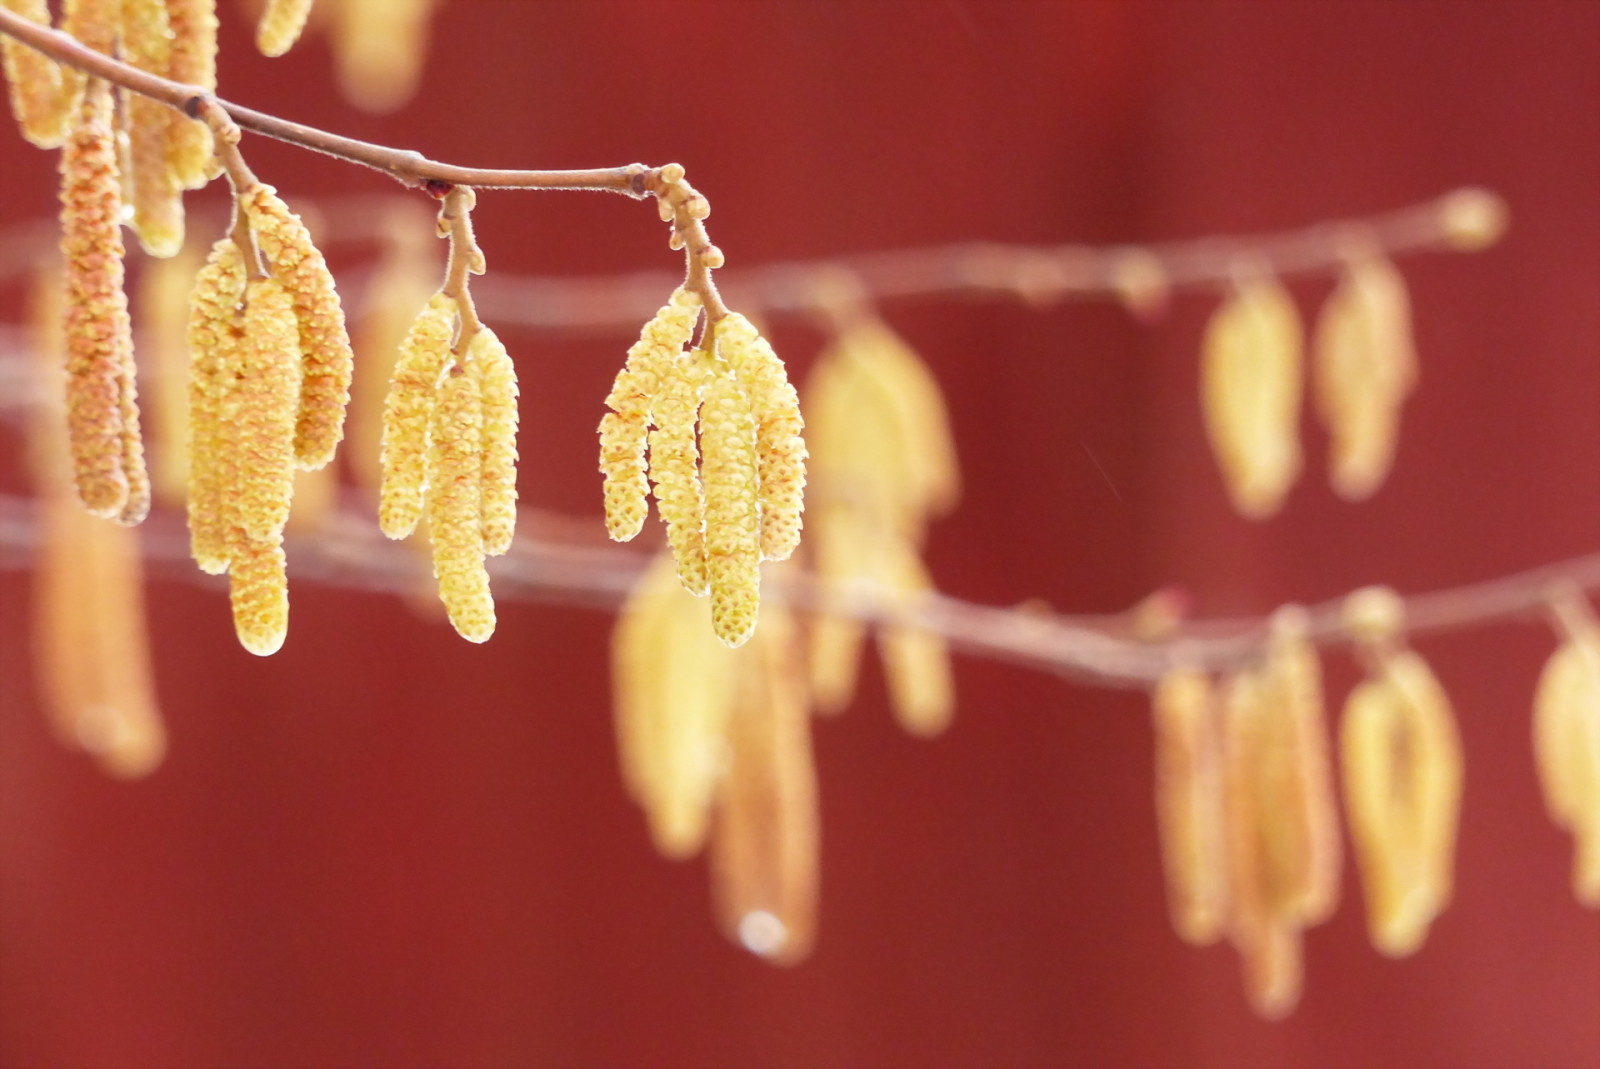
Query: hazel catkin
(280, 25)
(1189, 805)
(38, 102)
(408, 415)
(326, 358)
(733, 549)
(215, 333)
(780, 451)
(266, 390)
(455, 517)
(192, 60)
(489, 362)
(675, 467)
(156, 196)
(258, 591)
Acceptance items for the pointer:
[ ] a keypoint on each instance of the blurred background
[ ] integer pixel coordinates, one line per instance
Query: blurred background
(387, 847)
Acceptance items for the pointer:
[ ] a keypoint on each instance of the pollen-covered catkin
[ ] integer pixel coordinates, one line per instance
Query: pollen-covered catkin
(408, 414)
(215, 335)
(488, 360)
(280, 25)
(455, 519)
(156, 196)
(780, 451)
(267, 389)
(378, 48)
(1566, 746)
(192, 61)
(258, 590)
(1189, 805)
(99, 336)
(37, 101)
(675, 467)
(326, 358)
(624, 430)
(733, 547)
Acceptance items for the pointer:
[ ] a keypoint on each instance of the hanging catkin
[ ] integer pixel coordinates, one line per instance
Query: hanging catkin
(675, 466)
(191, 61)
(488, 360)
(258, 590)
(264, 397)
(327, 361)
(780, 451)
(1189, 805)
(408, 414)
(455, 517)
(1566, 742)
(624, 430)
(157, 197)
(378, 47)
(215, 334)
(280, 25)
(733, 550)
(42, 110)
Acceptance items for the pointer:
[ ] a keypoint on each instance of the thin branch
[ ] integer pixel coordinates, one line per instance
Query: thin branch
(350, 552)
(405, 166)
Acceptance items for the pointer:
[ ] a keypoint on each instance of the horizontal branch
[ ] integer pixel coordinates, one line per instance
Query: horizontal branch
(410, 168)
(551, 567)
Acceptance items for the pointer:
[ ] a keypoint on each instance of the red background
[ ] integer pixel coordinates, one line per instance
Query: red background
(386, 847)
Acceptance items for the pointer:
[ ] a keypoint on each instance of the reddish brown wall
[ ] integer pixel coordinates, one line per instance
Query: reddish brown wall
(386, 847)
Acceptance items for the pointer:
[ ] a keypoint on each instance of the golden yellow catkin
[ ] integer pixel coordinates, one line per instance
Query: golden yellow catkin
(99, 335)
(916, 661)
(215, 335)
(1263, 921)
(733, 548)
(1299, 811)
(1566, 744)
(675, 466)
(1189, 802)
(378, 49)
(672, 692)
(42, 111)
(624, 430)
(780, 451)
(1401, 758)
(408, 415)
(258, 590)
(455, 518)
(766, 836)
(165, 287)
(1365, 365)
(488, 360)
(280, 25)
(326, 358)
(156, 197)
(1250, 386)
(192, 60)
(261, 405)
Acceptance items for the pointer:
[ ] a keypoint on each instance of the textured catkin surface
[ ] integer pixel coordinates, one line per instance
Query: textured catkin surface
(327, 361)
(780, 451)
(491, 365)
(733, 551)
(192, 61)
(267, 389)
(408, 415)
(34, 82)
(624, 430)
(675, 467)
(258, 590)
(215, 335)
(455, 517)
(99, 337)
(280, 25)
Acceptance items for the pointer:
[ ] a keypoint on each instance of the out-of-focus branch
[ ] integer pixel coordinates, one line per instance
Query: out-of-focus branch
(550, 565)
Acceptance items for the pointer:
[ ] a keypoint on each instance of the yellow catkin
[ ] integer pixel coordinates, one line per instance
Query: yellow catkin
(165, 287)
(675, 466)
(408, 415)
(99, 336)
(673, 688)
(1250, 379)
(488, 360)
(326, 358)
(733, 548)
(37, 101)
(378, 47)
(766, 838)
(624, 430)
(263, 410)
(156, 197)
(192, 61)
(1365, 365)
(455, 518)
(1189, 805)
(1566, 746)
(1263, 924)
(780, 451)
(916, 662)
(280, 25)
(258, 590)
(215, 336)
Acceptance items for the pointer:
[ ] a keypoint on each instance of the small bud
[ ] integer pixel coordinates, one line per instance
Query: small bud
(672, 173)
(1473, 219)
(712, 257)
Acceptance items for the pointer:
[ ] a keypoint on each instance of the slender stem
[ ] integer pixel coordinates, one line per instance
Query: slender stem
(410, 168)
(466, 259)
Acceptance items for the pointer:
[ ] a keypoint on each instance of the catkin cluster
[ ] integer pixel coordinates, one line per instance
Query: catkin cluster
(883, 463)
(715, 746)
(1364, 366)
(448, 455)
(1245, 807)
(264, 329)
(717, 431)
